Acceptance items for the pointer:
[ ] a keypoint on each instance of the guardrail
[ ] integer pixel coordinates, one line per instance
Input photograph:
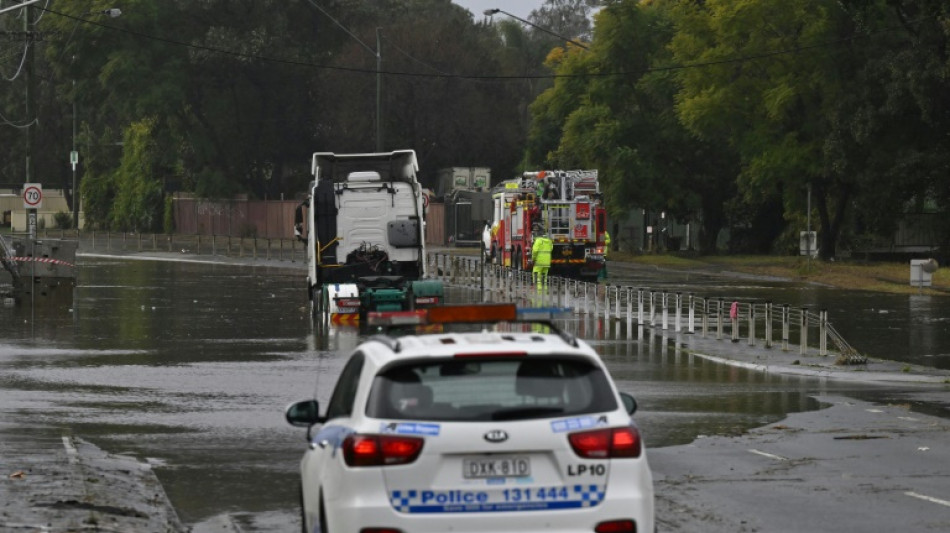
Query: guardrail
(780, 324)
(221, 245)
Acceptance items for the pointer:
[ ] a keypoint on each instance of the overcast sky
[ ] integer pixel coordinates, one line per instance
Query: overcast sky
(519, 8)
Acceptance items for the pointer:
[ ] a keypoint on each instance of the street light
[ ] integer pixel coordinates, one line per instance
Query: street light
(74, 155)
(379, 68)
(490, 12)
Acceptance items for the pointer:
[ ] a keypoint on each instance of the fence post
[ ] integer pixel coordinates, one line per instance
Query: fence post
(768, 324)
(639, 306)
(617, 302)
(677, 312)
(596, 300)
(652, 309)
(803, 347)
(629, 306)
(691, 323)
(823, 332)
(666, 311)
(785, 320)
(751, 323)
(607, 302)
(734, 322)
(704, 309)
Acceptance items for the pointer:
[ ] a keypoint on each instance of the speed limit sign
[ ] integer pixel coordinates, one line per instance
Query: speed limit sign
(32, 196)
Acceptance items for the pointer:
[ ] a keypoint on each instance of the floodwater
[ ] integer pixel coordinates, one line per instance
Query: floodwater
(189, 366)
(911, 328)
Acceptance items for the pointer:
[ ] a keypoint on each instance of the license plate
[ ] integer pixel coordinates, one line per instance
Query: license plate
(509, 466)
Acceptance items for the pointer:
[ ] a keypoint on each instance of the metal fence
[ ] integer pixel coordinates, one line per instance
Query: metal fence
(755, 322)
(215, 245)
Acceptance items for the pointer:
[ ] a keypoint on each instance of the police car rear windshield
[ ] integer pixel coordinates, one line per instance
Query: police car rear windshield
(485, 389)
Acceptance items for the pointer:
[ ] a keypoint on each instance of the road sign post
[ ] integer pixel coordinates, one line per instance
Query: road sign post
(32, 200)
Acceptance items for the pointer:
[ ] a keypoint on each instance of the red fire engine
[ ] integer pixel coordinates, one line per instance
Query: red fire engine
(564, 205)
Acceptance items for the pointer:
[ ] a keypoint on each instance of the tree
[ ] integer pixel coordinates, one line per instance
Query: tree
(813, 93)
(608, 109)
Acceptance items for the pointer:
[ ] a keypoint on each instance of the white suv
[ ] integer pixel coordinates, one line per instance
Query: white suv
(509, 429)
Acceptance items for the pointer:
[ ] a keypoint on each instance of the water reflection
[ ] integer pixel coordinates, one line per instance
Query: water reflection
(190, 366)
(910, 328)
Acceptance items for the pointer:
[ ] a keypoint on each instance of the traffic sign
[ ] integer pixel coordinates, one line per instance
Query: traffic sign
(74, 158)
(32, 196)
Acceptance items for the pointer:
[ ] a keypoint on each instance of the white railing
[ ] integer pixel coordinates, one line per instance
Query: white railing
(755, 321)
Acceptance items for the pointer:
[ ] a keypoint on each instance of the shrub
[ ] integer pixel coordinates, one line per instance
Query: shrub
(63, 220)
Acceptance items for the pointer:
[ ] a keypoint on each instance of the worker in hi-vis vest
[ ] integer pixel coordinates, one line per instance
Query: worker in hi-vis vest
(541, 258)
(603, 271)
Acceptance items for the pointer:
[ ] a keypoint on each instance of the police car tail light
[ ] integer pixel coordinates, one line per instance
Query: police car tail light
(608, 443)
(616, 526)
(380, 450)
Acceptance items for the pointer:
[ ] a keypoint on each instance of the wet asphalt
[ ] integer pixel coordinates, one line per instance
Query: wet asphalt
(853, 466)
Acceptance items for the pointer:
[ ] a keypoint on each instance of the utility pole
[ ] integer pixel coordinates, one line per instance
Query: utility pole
(379, 94)
(30, 88)
(28, 29)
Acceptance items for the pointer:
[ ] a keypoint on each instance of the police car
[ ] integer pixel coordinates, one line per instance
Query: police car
(502, 428)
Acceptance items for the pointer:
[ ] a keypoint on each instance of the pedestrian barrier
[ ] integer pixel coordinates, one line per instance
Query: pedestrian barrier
(217, 245)
(640, 306)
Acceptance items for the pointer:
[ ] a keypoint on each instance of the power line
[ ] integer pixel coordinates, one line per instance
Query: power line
(19, 69)
(8, 122)
(484, 77)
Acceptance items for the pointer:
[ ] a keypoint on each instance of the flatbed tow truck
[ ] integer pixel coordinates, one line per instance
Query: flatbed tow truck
(364, 227)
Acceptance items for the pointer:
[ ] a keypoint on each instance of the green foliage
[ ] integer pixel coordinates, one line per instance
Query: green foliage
(63, 220)
(138, 201)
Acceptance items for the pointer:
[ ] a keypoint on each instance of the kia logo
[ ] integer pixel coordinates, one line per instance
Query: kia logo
(496, 435)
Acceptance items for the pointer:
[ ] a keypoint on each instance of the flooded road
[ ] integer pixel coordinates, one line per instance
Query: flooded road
(189, 366)
(911, 328)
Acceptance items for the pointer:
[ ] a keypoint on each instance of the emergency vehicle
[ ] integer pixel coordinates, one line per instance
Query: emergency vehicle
(564, 205)
(489, 425)
(363, 224)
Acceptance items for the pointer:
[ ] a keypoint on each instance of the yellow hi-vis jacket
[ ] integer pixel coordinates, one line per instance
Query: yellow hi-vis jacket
(541, 251)
(606, 244)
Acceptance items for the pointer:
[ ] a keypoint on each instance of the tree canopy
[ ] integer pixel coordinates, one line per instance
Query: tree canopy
(730, 113)
(757, 105)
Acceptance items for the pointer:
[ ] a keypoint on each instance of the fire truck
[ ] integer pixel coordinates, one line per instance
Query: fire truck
(564, 205)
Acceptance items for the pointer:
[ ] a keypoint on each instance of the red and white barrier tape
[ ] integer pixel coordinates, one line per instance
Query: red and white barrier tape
(43, 260)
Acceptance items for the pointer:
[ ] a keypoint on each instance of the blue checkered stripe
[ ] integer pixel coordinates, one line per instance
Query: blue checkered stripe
(590, 495)
(402, 500)
(497, 500)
